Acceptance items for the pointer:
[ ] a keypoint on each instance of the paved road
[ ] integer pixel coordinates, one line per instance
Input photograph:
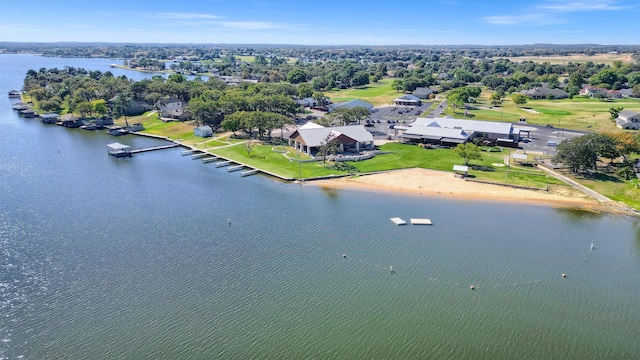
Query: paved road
(576, 185)
(439, 109)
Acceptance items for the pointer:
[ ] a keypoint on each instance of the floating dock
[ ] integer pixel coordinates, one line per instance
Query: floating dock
(187, 152)
(420, 221)
(398, 221)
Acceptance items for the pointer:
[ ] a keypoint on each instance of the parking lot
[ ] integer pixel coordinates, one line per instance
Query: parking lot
(538, 137)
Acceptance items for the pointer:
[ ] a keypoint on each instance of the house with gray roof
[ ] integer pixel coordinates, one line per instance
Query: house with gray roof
(541, 92)
(423, 92)
(628, 119)
(352, 138)
(407, 100)
(351, 104)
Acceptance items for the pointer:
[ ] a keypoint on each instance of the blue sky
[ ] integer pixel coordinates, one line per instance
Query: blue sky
(327, 22)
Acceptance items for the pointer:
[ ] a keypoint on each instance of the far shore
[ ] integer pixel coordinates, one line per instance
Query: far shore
(433, 183)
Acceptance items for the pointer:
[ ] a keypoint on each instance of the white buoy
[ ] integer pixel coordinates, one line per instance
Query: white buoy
(344, 256)
(472, 287)
(591, 246)
(564, 275)
(391, 269)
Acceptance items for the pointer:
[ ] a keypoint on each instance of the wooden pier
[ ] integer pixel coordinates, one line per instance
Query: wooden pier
(188, 152)
(153, 148)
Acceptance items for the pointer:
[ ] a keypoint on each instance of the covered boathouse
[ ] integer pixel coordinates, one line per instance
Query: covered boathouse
(119, 150)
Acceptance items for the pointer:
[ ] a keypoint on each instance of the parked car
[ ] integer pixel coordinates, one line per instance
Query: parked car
(551, 143)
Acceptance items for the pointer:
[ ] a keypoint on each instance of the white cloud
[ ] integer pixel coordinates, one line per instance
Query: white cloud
(523, 19)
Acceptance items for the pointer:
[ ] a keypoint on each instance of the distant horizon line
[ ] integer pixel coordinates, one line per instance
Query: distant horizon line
(2, 43)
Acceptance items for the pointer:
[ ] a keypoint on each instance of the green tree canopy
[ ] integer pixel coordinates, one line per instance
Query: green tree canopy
(468, 152)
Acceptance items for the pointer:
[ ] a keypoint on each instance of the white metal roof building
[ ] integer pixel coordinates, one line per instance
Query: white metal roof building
(311, 136)
(436, 129)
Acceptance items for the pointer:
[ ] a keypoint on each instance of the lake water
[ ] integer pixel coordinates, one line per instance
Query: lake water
(162, 257)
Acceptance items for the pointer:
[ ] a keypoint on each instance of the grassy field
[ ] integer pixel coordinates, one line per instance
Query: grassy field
(378, 94)
(579, 113)
(576, 58)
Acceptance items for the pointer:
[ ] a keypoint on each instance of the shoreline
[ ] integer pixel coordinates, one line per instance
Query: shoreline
(442, 184)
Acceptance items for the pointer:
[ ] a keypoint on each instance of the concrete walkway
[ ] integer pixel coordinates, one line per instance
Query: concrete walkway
(576, 185)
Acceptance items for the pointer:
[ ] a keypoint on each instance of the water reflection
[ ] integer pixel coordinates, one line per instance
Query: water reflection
(332, 193)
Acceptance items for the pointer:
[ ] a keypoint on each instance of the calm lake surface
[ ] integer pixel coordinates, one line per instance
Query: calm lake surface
(162, 257)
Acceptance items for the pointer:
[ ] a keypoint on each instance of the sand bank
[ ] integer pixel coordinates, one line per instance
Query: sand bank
(424, 182)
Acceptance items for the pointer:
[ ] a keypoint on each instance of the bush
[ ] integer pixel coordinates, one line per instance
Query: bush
(343, 166)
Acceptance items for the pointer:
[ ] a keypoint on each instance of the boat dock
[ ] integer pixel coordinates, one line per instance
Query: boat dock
(248, 173)
(235, 168)
(210, 159)
(223, 163)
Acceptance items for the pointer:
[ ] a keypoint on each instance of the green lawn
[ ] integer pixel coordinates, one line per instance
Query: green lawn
(578, 113)
(378, 94)
(397, 156)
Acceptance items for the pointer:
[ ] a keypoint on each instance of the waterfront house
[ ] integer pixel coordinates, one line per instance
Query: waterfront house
(310, 137)
(203, 131)
(173, 109)
(628, 119)
(134, 107)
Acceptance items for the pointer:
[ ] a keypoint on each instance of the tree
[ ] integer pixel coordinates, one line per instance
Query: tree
(615, 111)
(120, 105)
(455, 100)
(397, 85)
(467, 152)
(330, 145)
(305, 90)
(296, 76)
(519, 99)
(248, 146)
(100, 107)
(496, 99)
(84, 108)
(578, 154)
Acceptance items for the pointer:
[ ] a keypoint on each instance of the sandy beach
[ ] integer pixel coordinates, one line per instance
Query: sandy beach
(424, 182)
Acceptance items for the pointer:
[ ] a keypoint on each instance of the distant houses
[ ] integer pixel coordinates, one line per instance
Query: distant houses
(597, 92)
(542, 92)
